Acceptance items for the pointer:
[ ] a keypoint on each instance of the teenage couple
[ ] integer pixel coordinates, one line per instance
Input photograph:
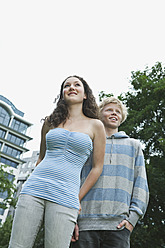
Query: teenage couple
(112, 193)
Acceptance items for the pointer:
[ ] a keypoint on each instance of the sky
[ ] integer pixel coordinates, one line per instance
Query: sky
(103, 41)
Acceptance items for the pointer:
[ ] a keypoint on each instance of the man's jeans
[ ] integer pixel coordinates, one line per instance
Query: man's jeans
(59, 223)
(103, 239)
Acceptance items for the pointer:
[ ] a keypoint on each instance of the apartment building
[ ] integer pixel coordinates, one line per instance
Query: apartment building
(13, 139)
(26, 169)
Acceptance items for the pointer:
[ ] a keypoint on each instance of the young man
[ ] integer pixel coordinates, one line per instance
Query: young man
(113, 206)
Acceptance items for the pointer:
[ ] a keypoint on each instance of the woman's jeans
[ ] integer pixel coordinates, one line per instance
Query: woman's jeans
(59, 223)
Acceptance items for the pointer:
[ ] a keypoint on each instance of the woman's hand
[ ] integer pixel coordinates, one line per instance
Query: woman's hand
(75, 234)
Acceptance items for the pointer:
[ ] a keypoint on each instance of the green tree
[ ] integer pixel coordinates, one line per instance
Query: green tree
(7, 190)
(102, 94)
(5, 231)
(146, 106)
(146, 103)
(7, 187)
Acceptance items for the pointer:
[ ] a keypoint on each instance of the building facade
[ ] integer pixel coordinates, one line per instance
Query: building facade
(26, 169)
(13, 140)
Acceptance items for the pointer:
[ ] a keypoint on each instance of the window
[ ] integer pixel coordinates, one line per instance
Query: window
(2, 211)
(16, 140)
(4, 116)
(8, 162)
(19, 126)
(10, 177)
(2, 133)
(12, 151)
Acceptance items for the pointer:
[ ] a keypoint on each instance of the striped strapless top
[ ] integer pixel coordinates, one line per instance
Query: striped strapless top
(57, 177)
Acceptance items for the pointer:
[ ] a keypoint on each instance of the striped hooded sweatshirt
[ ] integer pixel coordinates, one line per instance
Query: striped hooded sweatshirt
(121, 191)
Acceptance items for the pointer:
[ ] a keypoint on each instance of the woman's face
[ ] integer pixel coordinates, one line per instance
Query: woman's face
(73, 90)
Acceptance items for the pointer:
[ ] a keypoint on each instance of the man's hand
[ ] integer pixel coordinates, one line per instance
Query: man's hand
(126, 224)
(75, 234)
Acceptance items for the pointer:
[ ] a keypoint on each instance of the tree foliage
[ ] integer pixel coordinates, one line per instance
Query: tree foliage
(146, 103)
(146, 107)
(5, 231)
(7, 188)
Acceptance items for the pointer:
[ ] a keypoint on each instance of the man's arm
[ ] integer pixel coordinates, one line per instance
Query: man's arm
(140, 193)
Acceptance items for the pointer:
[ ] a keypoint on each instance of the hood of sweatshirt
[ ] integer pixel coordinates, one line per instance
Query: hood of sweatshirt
(118, 135)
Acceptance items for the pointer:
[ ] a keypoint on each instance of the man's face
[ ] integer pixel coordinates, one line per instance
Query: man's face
(111, 115)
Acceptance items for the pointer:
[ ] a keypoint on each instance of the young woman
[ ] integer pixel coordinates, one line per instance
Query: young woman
(52, 193)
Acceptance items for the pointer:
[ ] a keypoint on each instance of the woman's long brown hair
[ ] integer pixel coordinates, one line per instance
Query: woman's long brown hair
(61, 113)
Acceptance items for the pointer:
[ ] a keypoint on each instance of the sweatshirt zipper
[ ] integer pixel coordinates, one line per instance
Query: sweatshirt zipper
(111, 150)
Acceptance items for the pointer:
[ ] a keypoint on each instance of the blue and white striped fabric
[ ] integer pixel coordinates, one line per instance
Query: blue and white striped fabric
(121, 191)
(57, 176)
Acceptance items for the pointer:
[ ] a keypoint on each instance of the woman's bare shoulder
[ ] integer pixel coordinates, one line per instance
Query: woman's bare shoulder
(96, 123)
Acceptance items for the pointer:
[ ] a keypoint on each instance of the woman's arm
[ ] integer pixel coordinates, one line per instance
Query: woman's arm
(99, 142)
(44, 130)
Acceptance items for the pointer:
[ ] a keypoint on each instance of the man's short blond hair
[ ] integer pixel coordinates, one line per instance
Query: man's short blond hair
(116, 101)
